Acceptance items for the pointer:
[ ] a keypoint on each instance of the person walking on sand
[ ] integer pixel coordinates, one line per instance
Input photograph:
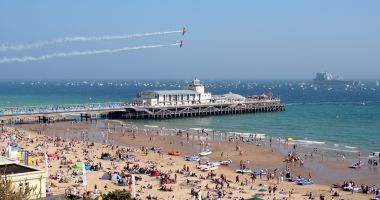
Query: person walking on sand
(237, 180)
(310, 175)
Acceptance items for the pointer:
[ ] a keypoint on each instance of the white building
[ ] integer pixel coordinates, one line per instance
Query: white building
(194, 94)
(228, 98)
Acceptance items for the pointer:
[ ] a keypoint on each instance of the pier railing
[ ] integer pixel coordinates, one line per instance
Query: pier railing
(110, 106)
(66, 108)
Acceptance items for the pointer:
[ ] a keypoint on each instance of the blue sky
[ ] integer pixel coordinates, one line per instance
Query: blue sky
(225, 39)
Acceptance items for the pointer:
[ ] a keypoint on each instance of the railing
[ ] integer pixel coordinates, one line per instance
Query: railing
(27, 110)
(67, 108)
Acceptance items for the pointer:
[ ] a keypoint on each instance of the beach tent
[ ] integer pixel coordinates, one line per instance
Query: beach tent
(105, 156)
(262, 190)
(78, 166)
(115, 177)
(50, 155)
(88, 167)
(289, 139)
(106, 176)
(12, 138)
(155, 173)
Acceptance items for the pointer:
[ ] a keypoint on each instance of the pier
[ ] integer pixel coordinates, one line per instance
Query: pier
(197, 110)
(121, 110)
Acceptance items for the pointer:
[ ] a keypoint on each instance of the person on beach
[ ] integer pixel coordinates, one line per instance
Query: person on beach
(237, 180)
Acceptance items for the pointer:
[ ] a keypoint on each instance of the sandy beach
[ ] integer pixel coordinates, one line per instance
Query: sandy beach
(84, 142)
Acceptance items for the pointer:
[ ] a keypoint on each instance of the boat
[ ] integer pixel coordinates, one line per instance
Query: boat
(205, 153)
(327, 79)
(261, 172)
(242, 171)
(192, 158)
(305, 182)
(225, 162)
(213, 163)
(357, 165)
(174, 153)
(296, 179)
(209, 168)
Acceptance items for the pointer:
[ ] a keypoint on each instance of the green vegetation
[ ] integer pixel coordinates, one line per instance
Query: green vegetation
(117, 195)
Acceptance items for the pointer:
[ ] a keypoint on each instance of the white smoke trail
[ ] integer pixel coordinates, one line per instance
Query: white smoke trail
(22, 47)
(78, 53)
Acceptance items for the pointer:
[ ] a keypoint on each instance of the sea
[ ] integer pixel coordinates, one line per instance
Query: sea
(341, 118)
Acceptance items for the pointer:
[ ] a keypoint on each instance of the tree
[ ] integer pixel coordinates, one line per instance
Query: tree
(9, 192)
(117, 195)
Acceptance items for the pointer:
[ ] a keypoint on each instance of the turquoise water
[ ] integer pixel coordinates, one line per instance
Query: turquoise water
(344, 118)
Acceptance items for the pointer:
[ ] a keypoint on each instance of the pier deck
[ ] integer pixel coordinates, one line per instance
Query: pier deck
(119, 110)
(196, 110)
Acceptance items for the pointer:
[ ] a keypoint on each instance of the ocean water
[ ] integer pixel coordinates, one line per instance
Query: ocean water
(343, 118)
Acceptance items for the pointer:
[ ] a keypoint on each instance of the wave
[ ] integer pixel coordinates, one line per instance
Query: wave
(151, 126)
(328, 103)
(350, 147)
(341, 150)
(308, 142)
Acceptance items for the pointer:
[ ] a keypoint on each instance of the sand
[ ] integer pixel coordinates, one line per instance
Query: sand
(256, 157)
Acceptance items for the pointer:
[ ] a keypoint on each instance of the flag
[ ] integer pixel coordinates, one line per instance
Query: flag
(9, 151)
(133, 186)
(84, 174)
(46, 165)
(26, 158)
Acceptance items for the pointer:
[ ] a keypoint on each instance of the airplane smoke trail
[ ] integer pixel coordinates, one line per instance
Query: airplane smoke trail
(22, 47)
(78, 53)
